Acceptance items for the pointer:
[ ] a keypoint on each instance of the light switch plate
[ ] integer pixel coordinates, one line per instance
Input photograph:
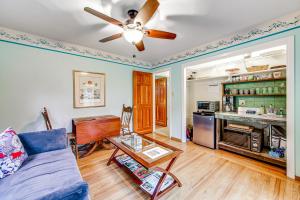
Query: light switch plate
(242, 102)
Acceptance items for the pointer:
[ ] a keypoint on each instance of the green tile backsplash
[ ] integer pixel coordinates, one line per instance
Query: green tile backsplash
(257, 101)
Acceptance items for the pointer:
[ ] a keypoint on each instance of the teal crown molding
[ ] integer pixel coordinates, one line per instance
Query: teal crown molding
(25, 39)
(279, 25)
(267, 29)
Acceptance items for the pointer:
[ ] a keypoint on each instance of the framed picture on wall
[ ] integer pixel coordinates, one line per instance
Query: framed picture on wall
(89, 89)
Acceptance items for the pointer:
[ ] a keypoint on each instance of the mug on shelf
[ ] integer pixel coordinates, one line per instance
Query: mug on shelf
(276, 90)
(257, 90)
(265, 90)
(270, 90)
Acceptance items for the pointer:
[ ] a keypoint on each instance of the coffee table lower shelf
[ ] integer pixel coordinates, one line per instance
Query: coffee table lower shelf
(142, 176)
(145, 172)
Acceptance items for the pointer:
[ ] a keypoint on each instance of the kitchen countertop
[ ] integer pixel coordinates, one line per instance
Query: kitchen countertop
(263, 119)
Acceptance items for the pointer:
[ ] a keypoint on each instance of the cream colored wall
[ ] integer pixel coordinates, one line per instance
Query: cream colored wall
(204, 90)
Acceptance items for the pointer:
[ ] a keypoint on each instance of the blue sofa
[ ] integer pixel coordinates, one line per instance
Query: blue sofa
(49, 173)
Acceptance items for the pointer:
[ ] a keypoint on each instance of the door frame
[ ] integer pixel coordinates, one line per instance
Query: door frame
(169, 99)
(290, 43)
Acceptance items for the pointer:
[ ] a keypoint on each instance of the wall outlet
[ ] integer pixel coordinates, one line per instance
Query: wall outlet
(242, 102)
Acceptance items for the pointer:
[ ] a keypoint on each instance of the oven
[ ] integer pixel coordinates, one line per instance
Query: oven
(239, 139)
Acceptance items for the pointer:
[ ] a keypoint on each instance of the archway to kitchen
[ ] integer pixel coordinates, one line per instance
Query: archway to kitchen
(202, 87)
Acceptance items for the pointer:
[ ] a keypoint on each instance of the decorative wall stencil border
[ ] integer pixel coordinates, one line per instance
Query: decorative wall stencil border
(45, 43)
(272, 27)
(278, 25)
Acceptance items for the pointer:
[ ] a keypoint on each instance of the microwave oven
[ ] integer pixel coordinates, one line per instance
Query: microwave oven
(208, 106)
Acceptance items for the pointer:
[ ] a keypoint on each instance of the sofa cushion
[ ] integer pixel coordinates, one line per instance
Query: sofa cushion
(43, 141)
(12, 153)
(50, 175)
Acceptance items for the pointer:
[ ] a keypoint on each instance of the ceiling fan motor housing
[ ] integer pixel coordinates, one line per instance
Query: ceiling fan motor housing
(132, 13)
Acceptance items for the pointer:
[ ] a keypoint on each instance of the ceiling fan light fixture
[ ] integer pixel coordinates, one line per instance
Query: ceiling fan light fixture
(133, 27)
(133, 36)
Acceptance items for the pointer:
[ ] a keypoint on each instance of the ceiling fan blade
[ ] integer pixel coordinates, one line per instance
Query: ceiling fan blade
(160, 34)
(147, 11)
(140, 46)
(113, 37)
(102, 16)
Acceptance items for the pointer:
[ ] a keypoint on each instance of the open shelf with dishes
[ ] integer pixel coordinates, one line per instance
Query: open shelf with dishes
(260, 80)
(252, 95)
(255, 90)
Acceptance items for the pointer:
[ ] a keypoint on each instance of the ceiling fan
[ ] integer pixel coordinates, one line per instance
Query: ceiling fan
(133, 28)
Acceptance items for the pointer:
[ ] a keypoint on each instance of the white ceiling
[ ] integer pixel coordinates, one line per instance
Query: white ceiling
(195, 21)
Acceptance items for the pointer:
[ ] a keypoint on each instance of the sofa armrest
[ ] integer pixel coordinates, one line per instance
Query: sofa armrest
(44, 141)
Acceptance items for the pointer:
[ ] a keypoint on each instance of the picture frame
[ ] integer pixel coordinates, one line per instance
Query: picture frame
(88, 89)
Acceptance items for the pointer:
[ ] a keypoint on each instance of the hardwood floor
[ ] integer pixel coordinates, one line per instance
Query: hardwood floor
(164, 131)
(205, 174)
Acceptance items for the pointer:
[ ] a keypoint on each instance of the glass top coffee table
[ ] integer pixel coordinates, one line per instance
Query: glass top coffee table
(140, 159)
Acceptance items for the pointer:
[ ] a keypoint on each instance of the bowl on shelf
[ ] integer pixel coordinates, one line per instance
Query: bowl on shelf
(246, 91)
(234, 91)
(250, 77)
(257, 68)
(277, 75)
(252, 91)
(233, 71)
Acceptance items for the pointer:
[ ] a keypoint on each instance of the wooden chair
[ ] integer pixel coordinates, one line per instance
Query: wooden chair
(125, 120)
(46, 118)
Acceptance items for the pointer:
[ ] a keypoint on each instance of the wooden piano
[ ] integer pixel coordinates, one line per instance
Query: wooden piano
(92, 130)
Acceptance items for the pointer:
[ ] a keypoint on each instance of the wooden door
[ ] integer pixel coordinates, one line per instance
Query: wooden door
(142, 102)
(161, 101)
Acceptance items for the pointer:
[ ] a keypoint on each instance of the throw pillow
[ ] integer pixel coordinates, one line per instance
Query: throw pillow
(12, 153)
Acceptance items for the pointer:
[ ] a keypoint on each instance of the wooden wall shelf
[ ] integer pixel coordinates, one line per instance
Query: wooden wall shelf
(252, 95)
(251, 81)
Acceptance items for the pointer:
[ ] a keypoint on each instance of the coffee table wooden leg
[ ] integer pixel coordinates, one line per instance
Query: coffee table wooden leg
(162, 179)
(171, 174)
(112, 156)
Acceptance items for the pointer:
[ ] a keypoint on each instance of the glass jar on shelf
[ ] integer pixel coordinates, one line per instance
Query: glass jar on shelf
(282, 88)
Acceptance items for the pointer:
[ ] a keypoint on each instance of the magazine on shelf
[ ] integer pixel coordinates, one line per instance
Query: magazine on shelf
(123, 158)
(155, 152)
(151, 182)
(140, 171)
(149, 178)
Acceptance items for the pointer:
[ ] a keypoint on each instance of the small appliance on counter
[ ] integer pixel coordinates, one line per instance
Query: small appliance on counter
(204, 123)
(228, 104)
(208, 106)
(249, 111)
